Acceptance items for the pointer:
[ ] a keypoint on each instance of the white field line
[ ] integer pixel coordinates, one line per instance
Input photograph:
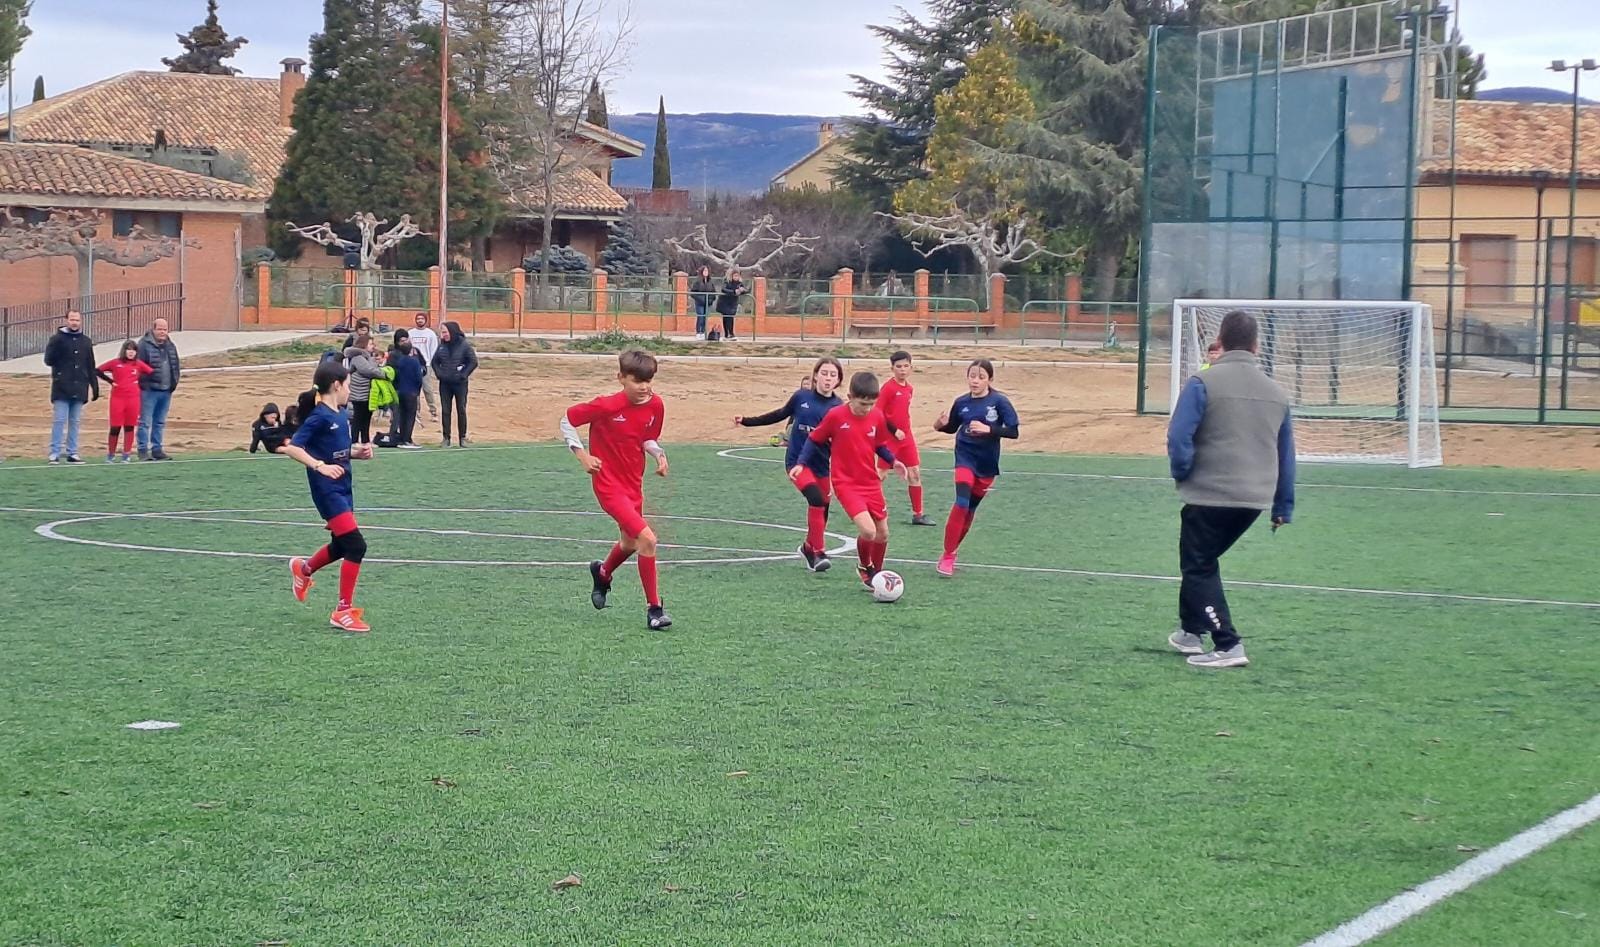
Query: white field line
(1402, 907)
(741, 453)
(243, 458)
(847, 545)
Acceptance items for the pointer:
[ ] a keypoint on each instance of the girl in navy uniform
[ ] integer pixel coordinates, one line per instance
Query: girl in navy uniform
(979, 419)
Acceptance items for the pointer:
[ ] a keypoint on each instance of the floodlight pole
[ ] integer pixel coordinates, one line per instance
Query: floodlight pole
(1577, 69)
(444, 164)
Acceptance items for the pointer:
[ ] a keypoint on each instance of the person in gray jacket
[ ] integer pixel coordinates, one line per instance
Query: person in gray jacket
(364, 367)
(158, 351)
(1231, 448)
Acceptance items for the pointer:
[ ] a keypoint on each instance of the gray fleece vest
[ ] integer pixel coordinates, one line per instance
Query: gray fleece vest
(1236, 446)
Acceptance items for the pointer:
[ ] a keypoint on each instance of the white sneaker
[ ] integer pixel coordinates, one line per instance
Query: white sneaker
(1231, 658)
(699, 336)
(1185, 643)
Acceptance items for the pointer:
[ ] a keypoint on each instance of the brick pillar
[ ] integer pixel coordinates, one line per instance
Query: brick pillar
(997, 298)
(1074, 296)
(844, 282)
(263, 295)
(680, 294)
(920, 288)
(519, 298)
(351, 297)
(435, 297)
(602, 299)
(758, 294)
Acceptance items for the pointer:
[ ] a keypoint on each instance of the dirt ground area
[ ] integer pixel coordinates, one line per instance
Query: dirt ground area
(1081, 408)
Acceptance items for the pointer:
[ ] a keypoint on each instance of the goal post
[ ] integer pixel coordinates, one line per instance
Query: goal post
(1361, 375)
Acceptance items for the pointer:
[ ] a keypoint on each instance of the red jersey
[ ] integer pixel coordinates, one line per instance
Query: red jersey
(618, 429)
(855, 444)
(894, 400)
(125, 373)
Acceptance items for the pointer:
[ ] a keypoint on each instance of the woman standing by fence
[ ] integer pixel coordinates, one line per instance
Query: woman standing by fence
(703, 293)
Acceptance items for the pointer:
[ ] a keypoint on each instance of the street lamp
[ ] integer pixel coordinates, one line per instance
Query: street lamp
(1577, 69)
(444, 162)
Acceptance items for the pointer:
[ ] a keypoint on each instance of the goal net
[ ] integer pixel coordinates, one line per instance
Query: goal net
(1360, 375)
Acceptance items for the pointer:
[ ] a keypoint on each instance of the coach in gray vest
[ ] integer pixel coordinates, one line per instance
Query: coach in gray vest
(1231, 444)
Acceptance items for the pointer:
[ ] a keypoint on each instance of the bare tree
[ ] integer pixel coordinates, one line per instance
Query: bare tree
(74, 233)
(993, 245)
(371, 245)
(563, 47)
(763, 235)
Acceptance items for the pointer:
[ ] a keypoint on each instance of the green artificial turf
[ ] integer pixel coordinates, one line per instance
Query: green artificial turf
(1006, 757)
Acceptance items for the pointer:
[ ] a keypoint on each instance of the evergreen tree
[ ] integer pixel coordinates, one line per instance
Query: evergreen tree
(38, 88)
(13, 33)
(366, 130)
(661, 177)
(626, 253)
(563, 259)
(206, 46)
(598, 114)
(927, 57)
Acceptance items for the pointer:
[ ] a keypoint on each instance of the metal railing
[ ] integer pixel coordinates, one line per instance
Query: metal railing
(1070, 320)
(352, 300)
(25, 328)
(896, 313)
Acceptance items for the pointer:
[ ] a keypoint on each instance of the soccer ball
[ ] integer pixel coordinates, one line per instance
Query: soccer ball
(888, 587)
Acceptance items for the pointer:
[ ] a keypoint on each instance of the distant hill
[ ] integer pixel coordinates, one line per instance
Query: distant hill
(1528, 93)
(727, 153)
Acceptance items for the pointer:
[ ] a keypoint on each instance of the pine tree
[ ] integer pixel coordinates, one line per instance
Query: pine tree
(206, 46)
(927, 57)
(38, 88)
(366, 131)
(661, 177)
(626, 253)
(597, 106)
(13, 33)
(563, 259)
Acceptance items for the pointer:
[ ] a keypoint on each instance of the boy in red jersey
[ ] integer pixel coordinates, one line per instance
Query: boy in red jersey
(623, 428)
(895, 403)
(856, 432)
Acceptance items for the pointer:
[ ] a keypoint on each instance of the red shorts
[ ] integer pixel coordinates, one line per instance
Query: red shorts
(343, 523)
(125, 409)
(904, 451)
(627, 510)
(980, 485)
(856, 499)
(809, 479)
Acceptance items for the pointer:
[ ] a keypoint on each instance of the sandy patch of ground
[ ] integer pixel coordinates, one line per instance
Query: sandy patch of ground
(1068, 408)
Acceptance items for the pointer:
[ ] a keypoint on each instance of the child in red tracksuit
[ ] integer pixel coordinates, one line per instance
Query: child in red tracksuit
(124, 373)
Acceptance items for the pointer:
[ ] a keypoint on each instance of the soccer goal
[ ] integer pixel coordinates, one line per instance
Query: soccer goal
(1361, 375)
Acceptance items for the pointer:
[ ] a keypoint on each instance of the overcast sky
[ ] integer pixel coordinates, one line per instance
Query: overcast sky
(775, 56)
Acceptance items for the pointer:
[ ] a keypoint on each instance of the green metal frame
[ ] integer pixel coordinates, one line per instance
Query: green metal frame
(936, 305)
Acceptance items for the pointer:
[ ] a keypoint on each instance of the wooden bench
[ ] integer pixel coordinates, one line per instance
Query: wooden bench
(865, 329)
(957, 329)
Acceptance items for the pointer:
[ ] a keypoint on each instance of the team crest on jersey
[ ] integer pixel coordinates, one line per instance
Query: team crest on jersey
(991, 415)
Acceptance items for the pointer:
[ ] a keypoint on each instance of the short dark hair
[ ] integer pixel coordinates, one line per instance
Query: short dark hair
(985, 364)
(637, 364)
(900, 356)
(1238, 331)
(328, 374)
(363, 322)
(864, 385)
(400, 334)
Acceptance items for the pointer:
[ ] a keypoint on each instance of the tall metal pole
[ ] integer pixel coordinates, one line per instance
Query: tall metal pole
(444, 164)
(11, 111)
(1572, 233)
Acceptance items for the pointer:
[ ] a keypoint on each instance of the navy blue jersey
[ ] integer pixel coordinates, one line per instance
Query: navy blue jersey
(325, 435)
(980, 453)
(807, 408)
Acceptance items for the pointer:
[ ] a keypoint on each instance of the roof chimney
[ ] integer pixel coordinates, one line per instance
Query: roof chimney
(292, 80)
(824, 134)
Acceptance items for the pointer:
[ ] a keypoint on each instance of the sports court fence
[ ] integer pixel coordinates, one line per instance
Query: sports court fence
(25, 328)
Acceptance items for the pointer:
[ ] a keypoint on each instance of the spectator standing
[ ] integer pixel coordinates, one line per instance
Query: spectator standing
(158, 351)
(1231, 446)
(728, 303)
(703, 294)
(124, 373)
(453, 365)
(408, 376)
(73, 383)
(363, 368)
(425, 342)
(362, 334)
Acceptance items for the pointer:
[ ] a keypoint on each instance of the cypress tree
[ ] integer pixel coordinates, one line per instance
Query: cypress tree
(205, 47)
(38, 88)
(597, 106)
(661, 179)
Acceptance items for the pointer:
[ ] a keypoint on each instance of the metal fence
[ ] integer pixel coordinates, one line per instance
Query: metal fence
(25, 328)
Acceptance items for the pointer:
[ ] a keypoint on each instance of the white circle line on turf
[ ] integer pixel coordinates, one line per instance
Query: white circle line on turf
(52, 531)
(1402, 907)
(740, 453)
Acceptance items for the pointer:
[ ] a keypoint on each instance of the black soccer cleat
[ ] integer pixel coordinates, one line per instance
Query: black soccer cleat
(657, 619)
(815, 561)
(923, 519)
(823, 562)
(865, 575)
(602, 587)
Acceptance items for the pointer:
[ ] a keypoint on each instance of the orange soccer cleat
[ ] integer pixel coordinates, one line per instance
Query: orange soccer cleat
(349, 619)
(300, 580)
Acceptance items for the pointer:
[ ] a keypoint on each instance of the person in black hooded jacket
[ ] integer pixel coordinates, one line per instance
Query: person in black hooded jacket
(453, 364)
(270, 430)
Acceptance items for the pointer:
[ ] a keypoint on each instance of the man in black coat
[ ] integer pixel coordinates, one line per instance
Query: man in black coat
(73, 383)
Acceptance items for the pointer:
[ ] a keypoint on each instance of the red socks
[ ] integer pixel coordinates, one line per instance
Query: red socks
(879, 551)
(816, 526)
(319, 561)
(647, 578)
(955, 529)
(348, 573)
(871, 553)
(616, 558)
(916, 500)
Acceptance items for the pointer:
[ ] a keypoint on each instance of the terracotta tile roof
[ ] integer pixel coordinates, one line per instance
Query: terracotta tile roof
(616, 141)
(73, 171)
(580, 191)
(231, 114)
(1516, 139)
